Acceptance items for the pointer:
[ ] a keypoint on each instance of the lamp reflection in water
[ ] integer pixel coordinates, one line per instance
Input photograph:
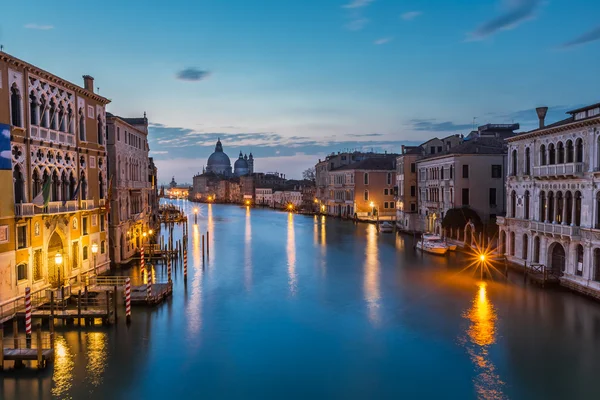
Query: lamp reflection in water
(211, 228)
(480, 335)
(371, 284)
(291, 254)
(96, 357)
(194, 306)
(62, 378)
(248, 252)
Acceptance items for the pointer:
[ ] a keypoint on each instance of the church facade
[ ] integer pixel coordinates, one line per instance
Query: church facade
(220, 164)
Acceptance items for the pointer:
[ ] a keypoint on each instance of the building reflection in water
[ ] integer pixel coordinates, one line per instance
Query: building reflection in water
(194, 306)
(371, 284)
(96, 357)
(323, 232)
(291, 254)
(62, 378)
(248, 252)
(480, 335)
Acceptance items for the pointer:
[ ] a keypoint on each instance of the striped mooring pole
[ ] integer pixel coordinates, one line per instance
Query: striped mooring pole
(28, 311)
(169, 269)
(149, 285)
(128, 300)
(185, 265)
(142, 262)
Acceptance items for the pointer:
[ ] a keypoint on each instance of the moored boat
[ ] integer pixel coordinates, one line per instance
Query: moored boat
(432, 244)
(386, 227)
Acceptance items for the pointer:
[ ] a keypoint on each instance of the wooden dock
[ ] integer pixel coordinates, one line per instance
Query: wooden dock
(160, 292)
(38, 349)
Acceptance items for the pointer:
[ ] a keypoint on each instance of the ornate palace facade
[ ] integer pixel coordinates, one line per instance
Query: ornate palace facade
(57, 154)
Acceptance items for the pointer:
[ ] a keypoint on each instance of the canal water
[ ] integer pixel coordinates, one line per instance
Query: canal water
(293, 306)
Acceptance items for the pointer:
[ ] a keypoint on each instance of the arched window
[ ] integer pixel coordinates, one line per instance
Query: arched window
(100, 185)
(597, 265)
(37, 184)
(577, 208)
(569, 151)
(569, 205)
(451, 172)
(62, 123)
(514, 163)
(81, 125)
(44, 112)
(100, 131)
(15, 107)
(579, 150)
(19, 186)
(597, 210)
(550, 213)
(366, 178)
(64, 187)
(83, 187)
(536, 249)
(527, 161)
(542, 155)
(502, 242)
(53, 124)
(559, 207)
(366, 195)
(33, 109)
(72, 187)
(513, 204)
(551, 154)
(542, 216)
(526, 208)
(512, 244)
(54, 188)
(70, 119)
(561, 153)
(579, 261)
(525, 249)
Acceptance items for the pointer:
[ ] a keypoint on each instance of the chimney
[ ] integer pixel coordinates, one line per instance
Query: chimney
(88, 83)
(541, 113)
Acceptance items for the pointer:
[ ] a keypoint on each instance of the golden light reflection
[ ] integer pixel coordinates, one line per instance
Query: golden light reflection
(371, 283)
(62, 377)
(315, 230)
(211, 229)
(481, 335)
(96, 355)
(194, 307)
(248, 252)
(323, 232)
(291, 254)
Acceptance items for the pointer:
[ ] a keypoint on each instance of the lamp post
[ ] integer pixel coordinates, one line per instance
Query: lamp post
(58, 259)
(94, 253)
(150, 232)
(196, 215)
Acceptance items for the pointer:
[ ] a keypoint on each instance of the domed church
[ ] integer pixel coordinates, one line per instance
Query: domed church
(219, 163)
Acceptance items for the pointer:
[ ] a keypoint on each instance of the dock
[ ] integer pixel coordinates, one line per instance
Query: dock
(40, 348)
(160, 292)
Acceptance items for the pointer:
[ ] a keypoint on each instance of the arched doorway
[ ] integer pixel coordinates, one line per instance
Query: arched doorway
(56, 273)
(557, 258)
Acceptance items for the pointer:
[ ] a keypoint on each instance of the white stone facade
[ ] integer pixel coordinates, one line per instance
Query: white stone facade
(553, 199)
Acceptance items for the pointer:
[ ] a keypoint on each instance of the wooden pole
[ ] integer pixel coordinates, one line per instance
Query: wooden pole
(128, 300)
(115, 302)
(16, 333)
(51, 327)
(202, 247)
(40, 363)
(207, 242)
(52, 304)
(107, 305)
(79, 307)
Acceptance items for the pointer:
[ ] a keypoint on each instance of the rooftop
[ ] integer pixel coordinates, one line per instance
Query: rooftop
(380, 163)
(477, 145)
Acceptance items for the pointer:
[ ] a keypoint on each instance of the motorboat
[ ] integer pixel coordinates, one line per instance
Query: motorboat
(386, 227)
(432, 244)
(451, 247)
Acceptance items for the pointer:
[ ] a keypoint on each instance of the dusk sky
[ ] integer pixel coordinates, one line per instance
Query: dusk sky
(293, 80)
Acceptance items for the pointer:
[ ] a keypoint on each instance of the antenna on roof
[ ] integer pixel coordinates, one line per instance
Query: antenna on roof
(1, 47)
(474, 118)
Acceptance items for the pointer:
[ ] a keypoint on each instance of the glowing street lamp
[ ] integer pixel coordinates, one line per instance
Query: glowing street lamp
(247, 202)
(58, 260)
(95, 252)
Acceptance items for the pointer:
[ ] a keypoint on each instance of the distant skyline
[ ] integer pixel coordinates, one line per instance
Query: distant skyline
(292, 81)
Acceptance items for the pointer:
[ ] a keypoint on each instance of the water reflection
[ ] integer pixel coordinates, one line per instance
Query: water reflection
(323, 233)
(210, 228)
(96, 354)
(481, 334)
(291, 254)
(194, 307)
(248, 252)
(371, 280)
(62, 378)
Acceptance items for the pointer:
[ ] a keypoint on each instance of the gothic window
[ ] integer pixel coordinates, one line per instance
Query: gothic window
(550, 213)
(81, 125)
(33, 109)
(15, 107)
(525, 250)
(44, 112)
(542, 216)
(561, 153)
(536, 249)
(569, 206)
(54, 187)
(552, 154)
(513, 204)
(83, 187)
(579, 261)
(19, 185)
(100, 185)
(53, 119)
(542, 155)
(37, 184)
(100, 131)
(597, 265)
(569, 151)
(514, 163)
(577, 208)
(64, 187)
(526, 208)
(70, 119)
(527, 161)
(579, 150)
(512, 244)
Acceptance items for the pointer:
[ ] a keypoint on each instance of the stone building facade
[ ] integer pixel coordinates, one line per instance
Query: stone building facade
(553, 198)
(56, 131)
(132, 187)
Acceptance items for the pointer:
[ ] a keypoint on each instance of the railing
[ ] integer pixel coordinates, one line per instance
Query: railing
(25, 209)
(500, 221)
(433, 204)
(102, 203)
(556, 229)
(9, 308)
(108, 280)
(570, 169)
(54, 207)
(87, 204)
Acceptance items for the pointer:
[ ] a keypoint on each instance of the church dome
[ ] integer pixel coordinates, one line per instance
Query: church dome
(219, 162)
(240, 163)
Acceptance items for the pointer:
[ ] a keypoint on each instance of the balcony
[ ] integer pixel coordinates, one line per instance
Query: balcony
(433, 204)
(557, 230)
(52, 135)
(87, 204)
(559, 170)
(54, 207)
(500, 221)
(102, 203)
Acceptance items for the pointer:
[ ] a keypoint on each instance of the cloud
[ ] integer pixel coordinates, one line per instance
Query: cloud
(192, 74)
(410, 15)
(588, 37)
(383, 40)
(430, 125)
(517, 12)
(39, 27)
(357, 24)
(153, 152)
(358, 3)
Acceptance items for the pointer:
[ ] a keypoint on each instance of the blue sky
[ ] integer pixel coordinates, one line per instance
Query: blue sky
(293, 80)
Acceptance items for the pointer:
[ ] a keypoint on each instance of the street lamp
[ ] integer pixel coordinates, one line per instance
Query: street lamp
(195, 215)
(94, 252)
(58, 260)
